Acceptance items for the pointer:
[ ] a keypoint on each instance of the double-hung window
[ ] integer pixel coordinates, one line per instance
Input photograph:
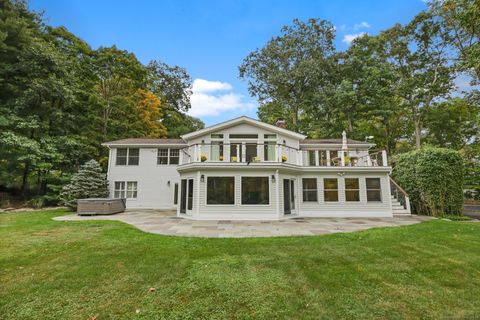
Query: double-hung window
(174, 156)
(127, 156)
(330, 191)
(125, 189)
(352, 189)
(374, 189)
(131, 189)
(119, 191)
(309, 189)
(167, 156)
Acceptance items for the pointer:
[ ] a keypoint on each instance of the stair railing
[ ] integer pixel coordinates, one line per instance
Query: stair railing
(400, 194)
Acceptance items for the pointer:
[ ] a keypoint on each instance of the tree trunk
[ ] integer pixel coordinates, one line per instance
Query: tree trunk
(418, 133)
(350, 125)
(26, 170)
(295, 119)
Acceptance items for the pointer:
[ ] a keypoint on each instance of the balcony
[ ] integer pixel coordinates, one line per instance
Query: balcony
(252, 153)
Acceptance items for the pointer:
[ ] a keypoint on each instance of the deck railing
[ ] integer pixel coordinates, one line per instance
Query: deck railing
(246, 152)
(401, 195)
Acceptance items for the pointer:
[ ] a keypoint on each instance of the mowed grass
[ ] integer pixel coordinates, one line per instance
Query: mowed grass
(81, 270)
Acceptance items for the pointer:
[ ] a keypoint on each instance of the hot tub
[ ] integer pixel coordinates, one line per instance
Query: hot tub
(98, 206)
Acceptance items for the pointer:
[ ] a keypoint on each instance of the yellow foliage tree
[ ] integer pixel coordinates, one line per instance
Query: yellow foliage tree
(149, 113)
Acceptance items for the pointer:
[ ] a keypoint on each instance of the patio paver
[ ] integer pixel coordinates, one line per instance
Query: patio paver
(164, 222)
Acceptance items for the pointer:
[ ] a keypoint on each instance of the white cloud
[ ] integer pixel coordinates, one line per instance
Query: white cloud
(348, 38)
(201, 85)
(363, 24)
(210, 99)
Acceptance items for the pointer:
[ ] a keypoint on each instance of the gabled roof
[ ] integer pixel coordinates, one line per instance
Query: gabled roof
(241, 120)
(145, 141)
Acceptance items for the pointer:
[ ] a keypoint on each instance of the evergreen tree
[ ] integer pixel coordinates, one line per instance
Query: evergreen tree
(88, 182)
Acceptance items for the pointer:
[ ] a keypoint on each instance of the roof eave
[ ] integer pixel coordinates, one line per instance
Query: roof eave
(132, 144)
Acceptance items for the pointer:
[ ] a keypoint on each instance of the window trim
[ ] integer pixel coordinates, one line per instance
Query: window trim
(380, 190)
(345, 189)
(127, 157)
(266, 145)
(252, 204)
(316, 190)
(120, 190)
(337, 189)
(220, 204)
(168, 156)
(125, 190)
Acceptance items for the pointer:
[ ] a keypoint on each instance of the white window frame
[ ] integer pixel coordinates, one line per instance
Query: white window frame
(269, 191)
(357, 190)
(316, 190)
(337, 190)
(380, 190)
(124, 190)
(234, 191)
(133, 190)
(121, 191)
(128, 156)
(168, 156)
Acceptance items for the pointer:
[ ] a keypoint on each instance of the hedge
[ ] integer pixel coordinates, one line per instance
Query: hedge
(433, 178)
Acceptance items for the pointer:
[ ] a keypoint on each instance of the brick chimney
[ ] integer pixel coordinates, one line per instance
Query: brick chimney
(281, 123)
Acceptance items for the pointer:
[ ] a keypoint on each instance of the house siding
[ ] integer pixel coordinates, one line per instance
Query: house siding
(153, 189)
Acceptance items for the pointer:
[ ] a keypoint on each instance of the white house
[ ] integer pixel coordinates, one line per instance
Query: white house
(247, 169)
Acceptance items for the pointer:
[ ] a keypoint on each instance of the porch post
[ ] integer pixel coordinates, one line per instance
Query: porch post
(244, 151)
(384, 158)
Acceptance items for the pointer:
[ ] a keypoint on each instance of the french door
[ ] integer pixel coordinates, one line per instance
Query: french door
(288, 196)
(186, 195)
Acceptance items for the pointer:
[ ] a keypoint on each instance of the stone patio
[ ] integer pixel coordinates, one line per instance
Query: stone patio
(166, 223)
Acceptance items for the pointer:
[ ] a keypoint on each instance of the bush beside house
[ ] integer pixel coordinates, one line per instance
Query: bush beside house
(88, 182)
(433, 178)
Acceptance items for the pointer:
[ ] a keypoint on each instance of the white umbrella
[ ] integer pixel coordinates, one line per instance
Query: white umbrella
(344, 141)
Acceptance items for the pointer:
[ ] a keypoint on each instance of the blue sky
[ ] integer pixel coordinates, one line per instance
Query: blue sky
(211, 38)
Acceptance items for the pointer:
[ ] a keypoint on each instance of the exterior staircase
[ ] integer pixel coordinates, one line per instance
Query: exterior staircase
(400, 200)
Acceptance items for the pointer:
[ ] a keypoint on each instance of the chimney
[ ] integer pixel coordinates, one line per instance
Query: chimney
(280, 123)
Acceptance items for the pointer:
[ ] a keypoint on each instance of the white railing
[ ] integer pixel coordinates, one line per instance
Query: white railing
(279, 153)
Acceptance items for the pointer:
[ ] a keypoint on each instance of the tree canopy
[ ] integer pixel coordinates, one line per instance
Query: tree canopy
(60, 99)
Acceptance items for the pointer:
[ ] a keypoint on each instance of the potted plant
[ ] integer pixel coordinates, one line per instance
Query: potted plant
(220, 158)
(203, 158)
(347, 160)
(233, 159)
(284, 158)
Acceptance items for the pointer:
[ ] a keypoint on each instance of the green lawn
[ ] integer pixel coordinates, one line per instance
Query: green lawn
(78, 270)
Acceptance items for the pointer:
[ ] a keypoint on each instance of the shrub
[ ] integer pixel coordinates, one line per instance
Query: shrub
(88, 182)
(36, 202)
(434, 178)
